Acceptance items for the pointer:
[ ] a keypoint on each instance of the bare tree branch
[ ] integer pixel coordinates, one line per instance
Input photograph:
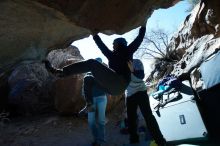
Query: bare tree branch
(156, 45)
(152, 51)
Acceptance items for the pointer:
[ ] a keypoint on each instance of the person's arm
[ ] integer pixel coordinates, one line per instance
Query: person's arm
(104, 49)
(138, 40)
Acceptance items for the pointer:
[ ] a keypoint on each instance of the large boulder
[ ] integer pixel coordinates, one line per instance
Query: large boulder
(32, 28)
(29, 28)
(29, 85)
(121, 15)
(68, 94)
(67, 91)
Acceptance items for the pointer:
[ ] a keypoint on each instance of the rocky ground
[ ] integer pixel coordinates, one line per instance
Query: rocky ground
(55, 130)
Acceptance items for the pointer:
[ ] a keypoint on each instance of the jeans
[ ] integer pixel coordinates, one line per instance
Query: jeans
(141, 99)
(97, 126)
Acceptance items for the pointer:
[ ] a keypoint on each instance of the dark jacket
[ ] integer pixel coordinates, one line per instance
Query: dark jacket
(96, 90)
(118, 59)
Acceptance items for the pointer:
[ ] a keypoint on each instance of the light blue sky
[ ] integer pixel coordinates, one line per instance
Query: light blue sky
(167, 19)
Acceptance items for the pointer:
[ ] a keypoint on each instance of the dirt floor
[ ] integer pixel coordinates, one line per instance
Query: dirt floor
(53, 130)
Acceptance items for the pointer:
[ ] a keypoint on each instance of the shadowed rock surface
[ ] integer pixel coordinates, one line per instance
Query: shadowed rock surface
(34, 27)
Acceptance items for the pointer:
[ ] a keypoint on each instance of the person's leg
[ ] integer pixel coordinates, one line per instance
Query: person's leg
(101, 108)
(108, 79)
(144, 104)
(92, 121)
(132, 119)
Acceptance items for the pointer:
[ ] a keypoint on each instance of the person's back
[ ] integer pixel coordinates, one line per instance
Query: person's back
(136, 96)
(137, 83)
(122, 53)
(96, 90)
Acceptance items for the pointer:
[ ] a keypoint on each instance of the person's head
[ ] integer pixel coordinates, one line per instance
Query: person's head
(99, 59)
(119, 43)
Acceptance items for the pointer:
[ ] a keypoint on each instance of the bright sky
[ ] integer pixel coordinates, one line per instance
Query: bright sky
(167, 19)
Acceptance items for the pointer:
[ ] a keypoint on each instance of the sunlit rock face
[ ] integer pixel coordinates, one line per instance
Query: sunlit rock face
(197, 39)
(29, 28)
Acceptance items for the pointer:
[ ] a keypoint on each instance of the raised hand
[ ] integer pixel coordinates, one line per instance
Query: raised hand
(144, 23)
(94, 32)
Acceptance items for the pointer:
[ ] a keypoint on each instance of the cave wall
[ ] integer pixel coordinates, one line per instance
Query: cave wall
(29, 28)
(32, 28)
